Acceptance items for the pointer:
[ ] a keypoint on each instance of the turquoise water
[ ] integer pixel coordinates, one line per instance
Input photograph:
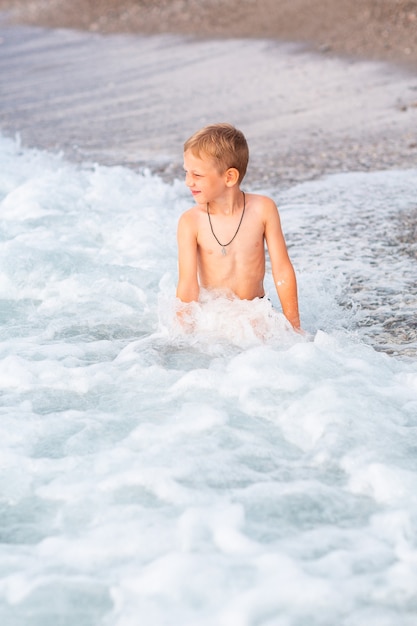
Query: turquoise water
(239, 476)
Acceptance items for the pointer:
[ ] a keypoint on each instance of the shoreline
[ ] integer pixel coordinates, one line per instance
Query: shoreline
(132, 99)
(378, 30)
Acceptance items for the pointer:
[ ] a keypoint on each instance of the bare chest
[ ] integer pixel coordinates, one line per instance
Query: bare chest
(230, 235)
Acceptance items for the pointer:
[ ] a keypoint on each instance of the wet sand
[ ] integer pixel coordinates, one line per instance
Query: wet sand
(326, 103)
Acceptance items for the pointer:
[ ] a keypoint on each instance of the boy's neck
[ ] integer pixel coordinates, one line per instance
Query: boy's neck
(228, 204)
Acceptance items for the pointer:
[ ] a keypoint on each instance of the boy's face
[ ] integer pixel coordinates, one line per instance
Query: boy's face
(203, 178)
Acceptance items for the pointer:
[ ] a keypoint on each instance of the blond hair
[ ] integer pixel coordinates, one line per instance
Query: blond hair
(223, 143)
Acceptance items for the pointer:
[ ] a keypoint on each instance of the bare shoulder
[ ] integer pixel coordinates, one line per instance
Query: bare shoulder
(190, 217)
(263, 204)
(188, 214)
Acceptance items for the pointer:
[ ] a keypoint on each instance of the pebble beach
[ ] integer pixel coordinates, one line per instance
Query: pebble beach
(316, 86)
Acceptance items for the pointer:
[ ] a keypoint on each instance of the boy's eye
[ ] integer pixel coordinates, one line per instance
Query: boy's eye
(193, 174)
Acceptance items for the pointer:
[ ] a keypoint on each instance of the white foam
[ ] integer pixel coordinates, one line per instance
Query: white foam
(204, 477)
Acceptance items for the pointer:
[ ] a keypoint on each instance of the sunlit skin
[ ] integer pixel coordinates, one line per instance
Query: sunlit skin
(242, 270)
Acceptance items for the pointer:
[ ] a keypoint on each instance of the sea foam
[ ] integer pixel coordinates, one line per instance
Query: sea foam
(236, 475)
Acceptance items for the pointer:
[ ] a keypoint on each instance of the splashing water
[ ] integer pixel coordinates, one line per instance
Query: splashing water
(239, 475)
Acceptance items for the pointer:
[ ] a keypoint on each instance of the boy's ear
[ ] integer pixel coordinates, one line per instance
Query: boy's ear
(232, 176)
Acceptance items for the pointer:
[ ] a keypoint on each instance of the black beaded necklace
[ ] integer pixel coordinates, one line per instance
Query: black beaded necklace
(224, 245)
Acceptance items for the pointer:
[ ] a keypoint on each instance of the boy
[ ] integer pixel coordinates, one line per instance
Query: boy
(221, 239)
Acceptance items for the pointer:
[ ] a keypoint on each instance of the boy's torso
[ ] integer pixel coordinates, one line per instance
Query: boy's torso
(240, 266)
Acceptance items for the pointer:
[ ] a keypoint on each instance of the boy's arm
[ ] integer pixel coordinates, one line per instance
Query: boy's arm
(282, 269)
(187, 288)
